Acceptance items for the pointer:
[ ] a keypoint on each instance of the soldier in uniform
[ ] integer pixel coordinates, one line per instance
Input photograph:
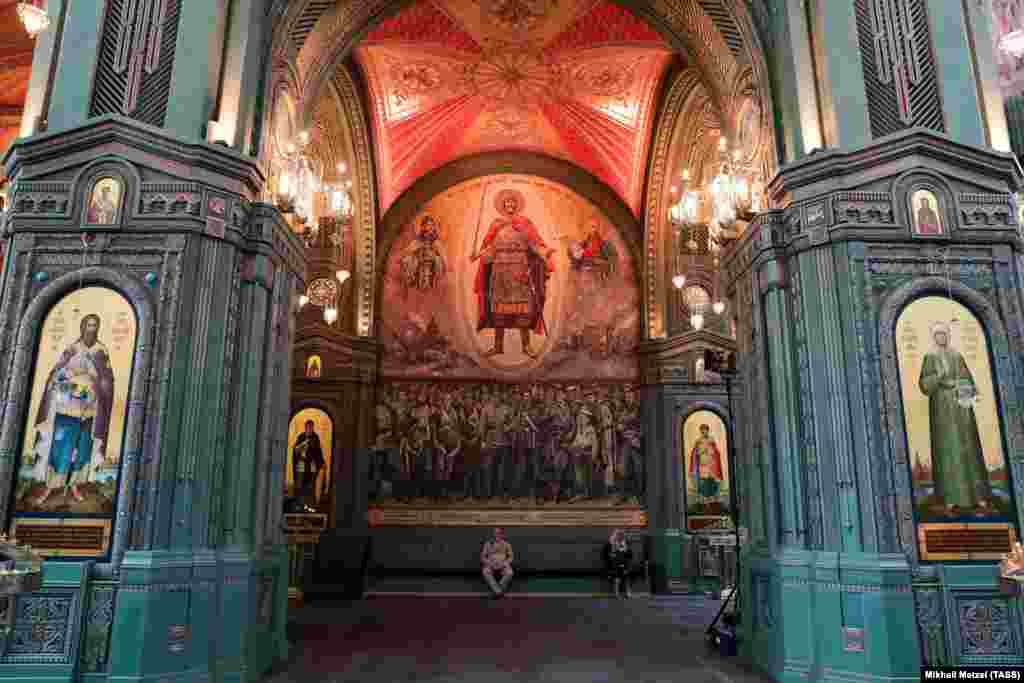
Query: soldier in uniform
(511, 281)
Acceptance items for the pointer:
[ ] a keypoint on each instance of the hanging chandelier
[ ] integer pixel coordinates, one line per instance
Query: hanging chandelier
(33, 18)
(705, 221)
(735, 192)
(329, 234)
(343, 208)
(690, 236)
(298, 178)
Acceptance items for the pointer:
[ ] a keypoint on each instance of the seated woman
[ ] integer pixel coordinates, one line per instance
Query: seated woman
(618, 560)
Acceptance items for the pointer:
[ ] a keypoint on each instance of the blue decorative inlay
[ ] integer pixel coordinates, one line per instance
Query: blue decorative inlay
(151, 279)
(41, 276)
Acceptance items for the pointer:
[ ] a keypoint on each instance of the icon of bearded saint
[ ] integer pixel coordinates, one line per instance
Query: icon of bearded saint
(74, 414)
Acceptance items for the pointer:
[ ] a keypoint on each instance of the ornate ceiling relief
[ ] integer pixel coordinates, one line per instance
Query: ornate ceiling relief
(452, 78)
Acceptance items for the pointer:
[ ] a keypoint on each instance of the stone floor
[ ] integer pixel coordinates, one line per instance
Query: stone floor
(515, 640)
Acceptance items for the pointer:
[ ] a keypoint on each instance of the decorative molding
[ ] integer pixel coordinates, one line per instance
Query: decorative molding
(36, 198)
(364, 196)
(684, 95)
(987, 209)
(873, 208)
(45, 628)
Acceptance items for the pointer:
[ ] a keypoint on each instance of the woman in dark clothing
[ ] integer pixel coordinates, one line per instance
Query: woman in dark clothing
(618, 559)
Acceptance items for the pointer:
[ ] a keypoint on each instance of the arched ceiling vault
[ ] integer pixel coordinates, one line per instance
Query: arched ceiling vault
(719, 68)
(438, 78)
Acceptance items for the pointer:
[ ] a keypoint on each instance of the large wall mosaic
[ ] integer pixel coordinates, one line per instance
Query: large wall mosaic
(511, 278)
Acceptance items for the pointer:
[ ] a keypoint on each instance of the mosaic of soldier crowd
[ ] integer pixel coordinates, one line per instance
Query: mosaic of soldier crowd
(476, 442)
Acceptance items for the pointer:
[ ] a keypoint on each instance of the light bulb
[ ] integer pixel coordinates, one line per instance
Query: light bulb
(303, 300)
(721, 144)
(303, 137)
(34, 19)
(348, 184)
(673, 189)
(290, 148)
(330, 314)
(342, 167)
(686, 174)
(678, 281)
(735, 155)
(697, 321)
(718, 307)
(343, 275)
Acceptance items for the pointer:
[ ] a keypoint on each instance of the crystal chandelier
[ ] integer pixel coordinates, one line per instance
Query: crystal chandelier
(736, 192)
(696, 300)
(343, 208)
(33, 18)
(684, 217)
(298, 178)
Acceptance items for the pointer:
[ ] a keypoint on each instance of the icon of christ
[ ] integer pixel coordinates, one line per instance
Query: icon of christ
(511, 280)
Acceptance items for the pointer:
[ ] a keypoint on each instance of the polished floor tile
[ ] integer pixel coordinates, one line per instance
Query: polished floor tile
(529, 640)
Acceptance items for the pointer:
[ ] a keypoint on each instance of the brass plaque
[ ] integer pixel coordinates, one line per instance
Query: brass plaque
(600, 517)
(64, 537)
(970, 541)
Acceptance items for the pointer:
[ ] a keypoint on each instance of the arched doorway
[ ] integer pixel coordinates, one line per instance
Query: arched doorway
(436, 115)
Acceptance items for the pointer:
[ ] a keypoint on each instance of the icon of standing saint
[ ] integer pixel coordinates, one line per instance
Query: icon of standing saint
(926, 217)
(511, 280)
(104, 202)
(960, 474)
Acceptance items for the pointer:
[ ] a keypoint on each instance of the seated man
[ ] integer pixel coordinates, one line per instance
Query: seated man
(496, 557)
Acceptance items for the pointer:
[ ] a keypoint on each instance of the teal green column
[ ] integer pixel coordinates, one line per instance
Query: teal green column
(241, 474)
(42, 62)
(844, 101)
(958, 80)
(784, 407)
(76, 64)
(195, 79)
(798, 116)
(241, 84)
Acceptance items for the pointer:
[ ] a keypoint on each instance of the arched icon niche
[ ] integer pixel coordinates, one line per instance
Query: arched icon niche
(705, 462)
(958, 466)
(310, 444)
(70, 457)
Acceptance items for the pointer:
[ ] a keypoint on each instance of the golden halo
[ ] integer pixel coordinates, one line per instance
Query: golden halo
(499, 201)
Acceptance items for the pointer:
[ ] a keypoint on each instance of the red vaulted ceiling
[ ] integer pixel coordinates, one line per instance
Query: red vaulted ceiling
(451, 78)
(15, 69)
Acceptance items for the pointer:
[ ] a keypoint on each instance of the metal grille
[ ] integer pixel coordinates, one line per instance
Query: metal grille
(899, 67)
(303, 26)
(148, 101)
(726, 25)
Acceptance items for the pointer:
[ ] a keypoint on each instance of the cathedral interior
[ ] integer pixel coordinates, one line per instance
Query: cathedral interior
(312, 311)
